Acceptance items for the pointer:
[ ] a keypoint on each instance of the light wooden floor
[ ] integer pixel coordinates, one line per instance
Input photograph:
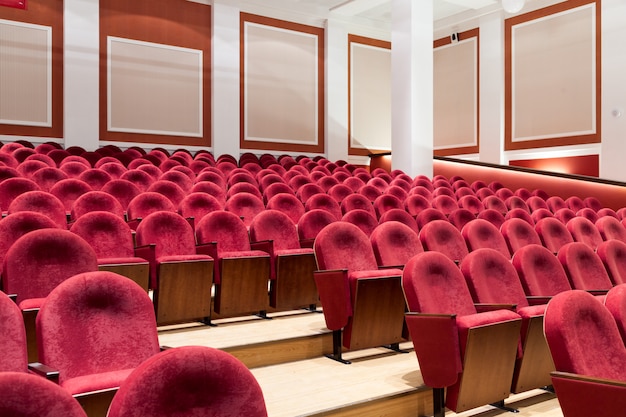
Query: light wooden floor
(320, 386)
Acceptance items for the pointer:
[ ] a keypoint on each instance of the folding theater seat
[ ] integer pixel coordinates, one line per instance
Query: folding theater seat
(114, 169)
(339, 192)
(73, 169)
(504, 193)
(241, 275)
(394, 243)
(523, 193)
(202, 380)
(197, 204)
(397, 192)
(96, 201)
(589, 356)
(611, 228)
(615, 302)
(535, 203)
(180, 278)
(95, 328)
(13, 353)
(354, 183)
(245, 205)
(277, 188)
(307, 191)
(495, 203)
(460, 217)
(540, 193)
(291, 273)
(123, 190)
(324, 202)
(492, 216)
(441, 190)
(540, 272)
(492, 280)
(471, 203)
(357, 202)
(517, 233)
(68, 191)
(463, 192)
(584, 268)
(606, 211)
(211, 189)
(169, 189)
(12, 188)
(111, 238)
(588, 214)
(515, 202)
(539, 214)
(593, 203)
(582, 230)
(353, 291)
(288, 204)
(311, 223)
(38, 262)
(553, 233)
(145, 204)
(96, 178)
(401, 216)
(469, 354)
(362, 219)
(575, 203)
(480, 233)
(43, 203)
(484, 192)
(31, 395)
(385, 203)
(555, 203)
(613, 256)
(519, 213)
(442, 236)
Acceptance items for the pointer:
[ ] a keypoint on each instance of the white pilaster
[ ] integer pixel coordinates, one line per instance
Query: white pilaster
(336, 90)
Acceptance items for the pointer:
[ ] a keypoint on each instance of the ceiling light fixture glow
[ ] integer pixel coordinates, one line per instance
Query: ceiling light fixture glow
(512, 6)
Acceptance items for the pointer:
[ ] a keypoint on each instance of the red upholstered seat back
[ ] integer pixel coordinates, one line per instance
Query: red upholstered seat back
(432, 283)
(171, 233)
(364, 220)
(399, 215)
(288, 204)
(96, 201)
(226, 229)
(357, 202)
(13, 355)
(613, 256)
(491, 278)
(13, 187)
(41, 202)
(245, 205)
(197, 205)
(108, 234)
(169, 189)
(583, 267)
(441, 236)
(69, 190)
(96, 178)
(553, 233)
(495, 203)
(276, 226)
(312, 222)
(540, 271)
(584, 231)
(492, 216)
(583, 336)
(342, 245)
(480, 233)
(147, 203)
(178, 178)
(123, 190)
(611, 228)
(394, 243)
(324, 202)
(444, 203)
(615, 302)
(96, 322)
(386, 202)
(40, 260)
(517, 233)
(186, 381)
(140, 178)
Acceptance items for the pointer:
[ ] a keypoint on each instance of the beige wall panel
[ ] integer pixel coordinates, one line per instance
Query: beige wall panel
(553, 75)
(455, 95)
(370, 94)
(281, 88)
(25, 74)
(154, 88)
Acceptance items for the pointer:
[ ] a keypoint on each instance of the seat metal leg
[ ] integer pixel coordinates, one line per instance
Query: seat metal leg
(396, 348)
(500, 405)
(336, 355)
(439, 402)
(263, 314)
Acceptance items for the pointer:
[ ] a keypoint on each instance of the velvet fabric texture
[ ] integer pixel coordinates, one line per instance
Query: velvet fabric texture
(13, 187)
(535, 203)
(13, 355)
(96, 178)
(357, 202)
(324, 202)
(342, 245)
(471, 203)
(540, 272)
(211, 189)
(364, 220)
(40, 260)
(178, 178)
(243, 188)
(540, 214)
(370, 192)
(138, 177)
(245, 205)
(190, 381)
(583, 336)
(277, 188)
(169, 231)
(27, 395)
(460, 217)
(480, 233)
(555, 203)
(613, 256)
(492, 216)
(42, 202)
(169, 189)
(339, 192)
(399, 215)
(611, 228)
(394, 243)
(287, 204)
(495, 203)
(517, 233)
(615, 302)
(123, 190)
(94, 328)
(69, 190)
(428, 215)
(514, 202)
(443, 237)
(96, 201)
(312, 222)
(415, 203)
(575, 203)
(17, 225)
(147, 203)
(197, 205)
(564, 215)
(519, 213)
(107, 233)
(582, 230)
(583, 267)
(553, 233)
(385, 203)
(444, 203)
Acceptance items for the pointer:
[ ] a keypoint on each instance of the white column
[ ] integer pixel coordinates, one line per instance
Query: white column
(491, 80)
(336, 90)
(81, 73)
(412, 86)
(225, 79)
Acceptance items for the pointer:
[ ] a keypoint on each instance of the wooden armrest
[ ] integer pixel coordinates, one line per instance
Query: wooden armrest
(391, 267)
(535, 300)
(483, 307)
(263, 245)
(597, 292)
(307, 243)
(587, 378)
(13, 297)
(440, 315)
(46, 371)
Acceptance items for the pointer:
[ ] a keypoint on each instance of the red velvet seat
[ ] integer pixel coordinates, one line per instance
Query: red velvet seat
(291, 273)
(540, 214)
(401, 216)
(495, 203)
(564, 215)
(203, 381)
(616, 304)
(357, 202)
(589, 356)
(324, 202)
(575, 203)
(517, 233)
(480, 233)
(593, 203)
(111, 238)
(553, 233)
(197, 204)
(555, 203)
(352, 290)
(13, 353)
(287, 204)
(504, 193)
(241, 275)
(484, 192)
(277, 188)
(441, 236)
(95, 328)
(73, 169)
(471, 203)
(145, 204)
(169, 189)
(339, 192)
(460, 217)
(123, 190)
(540, 273)
(492, 280)
(452, 340)
(415, 203)
(362, 219)
(181, 279)
(68, 191)
(611, 228)
(519, 213)
(12, 188)
(535, 203)
(96, 178)
(96, 201)
(588, 214)
(114, 169)
(41, 202)
(178, 178)
(492, 216)
(541, 194)
(582, 230)
(613, 256)
(394, 243)
(245, 205)
(354, 183)
(311, 223)
(584, 268)
(385, 203)
(31, 395)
